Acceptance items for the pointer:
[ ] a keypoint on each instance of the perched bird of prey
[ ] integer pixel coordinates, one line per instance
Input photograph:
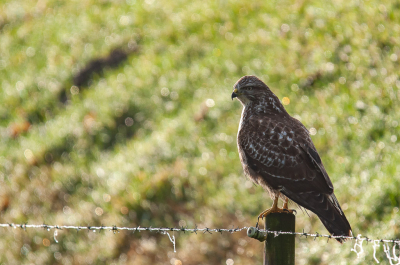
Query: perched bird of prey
(277, 153)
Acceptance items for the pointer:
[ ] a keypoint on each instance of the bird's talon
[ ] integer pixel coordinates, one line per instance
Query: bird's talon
(286, 210)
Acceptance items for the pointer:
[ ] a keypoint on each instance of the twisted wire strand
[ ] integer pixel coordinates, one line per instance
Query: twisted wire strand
(192, 230)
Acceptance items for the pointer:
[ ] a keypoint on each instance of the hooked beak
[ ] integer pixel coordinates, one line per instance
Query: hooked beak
(234, 93)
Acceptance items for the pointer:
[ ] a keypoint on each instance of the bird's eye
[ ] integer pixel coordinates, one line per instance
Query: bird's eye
(247, 88)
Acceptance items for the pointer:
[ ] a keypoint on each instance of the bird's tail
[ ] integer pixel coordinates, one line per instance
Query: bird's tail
(327, 208)
(338, 227)
(334, 219)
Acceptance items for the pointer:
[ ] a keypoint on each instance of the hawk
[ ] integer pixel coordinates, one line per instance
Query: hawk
(276, 152)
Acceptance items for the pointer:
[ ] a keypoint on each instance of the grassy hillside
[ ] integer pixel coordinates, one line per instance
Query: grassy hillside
(119, 113)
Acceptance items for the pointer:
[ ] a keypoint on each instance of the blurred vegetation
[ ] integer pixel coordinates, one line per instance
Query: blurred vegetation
(119, 113)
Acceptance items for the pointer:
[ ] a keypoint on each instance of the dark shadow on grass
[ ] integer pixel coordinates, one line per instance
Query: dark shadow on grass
(123, 128)
(113, 60)
(97, 67)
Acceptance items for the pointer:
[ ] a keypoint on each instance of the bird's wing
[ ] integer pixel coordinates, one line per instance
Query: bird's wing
(282, 153)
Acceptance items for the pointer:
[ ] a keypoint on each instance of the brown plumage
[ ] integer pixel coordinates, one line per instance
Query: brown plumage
(277, 153)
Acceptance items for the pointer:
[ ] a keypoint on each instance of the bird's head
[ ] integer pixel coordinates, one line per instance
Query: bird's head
(249, 88)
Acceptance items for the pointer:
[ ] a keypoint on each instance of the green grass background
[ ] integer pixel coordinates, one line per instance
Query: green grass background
(77, 162)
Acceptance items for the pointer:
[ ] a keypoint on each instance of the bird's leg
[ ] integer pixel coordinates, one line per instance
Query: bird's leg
(273, 209)
(285, 206)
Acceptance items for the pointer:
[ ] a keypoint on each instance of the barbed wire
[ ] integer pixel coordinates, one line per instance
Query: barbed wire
(117, 229)
(193, 230)
(358, 246)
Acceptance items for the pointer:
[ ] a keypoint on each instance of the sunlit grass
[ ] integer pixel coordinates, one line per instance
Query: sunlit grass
(152, 142)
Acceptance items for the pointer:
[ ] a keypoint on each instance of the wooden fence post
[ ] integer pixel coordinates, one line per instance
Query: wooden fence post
(280, 249)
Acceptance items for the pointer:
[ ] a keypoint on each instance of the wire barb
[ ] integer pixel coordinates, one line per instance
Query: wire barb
(55, 235)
